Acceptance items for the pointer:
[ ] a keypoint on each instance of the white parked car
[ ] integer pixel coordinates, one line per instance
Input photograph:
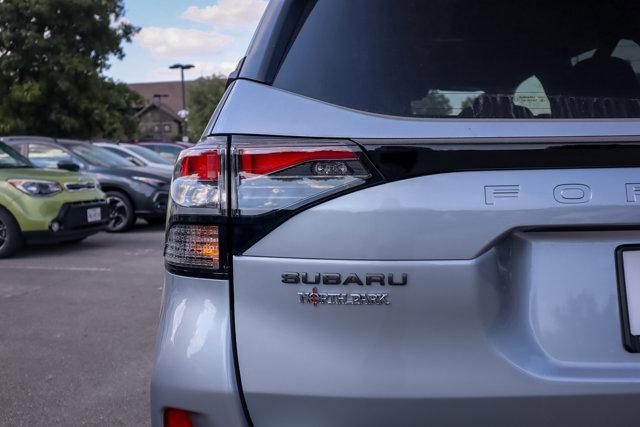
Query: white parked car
(137, 155)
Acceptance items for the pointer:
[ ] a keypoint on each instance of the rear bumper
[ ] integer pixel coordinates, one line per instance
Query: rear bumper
(465, 342)
(72, 222)
(467, 381)
(194, 367)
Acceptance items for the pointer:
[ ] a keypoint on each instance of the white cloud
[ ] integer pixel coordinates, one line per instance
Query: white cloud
(202, 69)
(214, 48)
(230, 15)
(206, 69)
(171, 42)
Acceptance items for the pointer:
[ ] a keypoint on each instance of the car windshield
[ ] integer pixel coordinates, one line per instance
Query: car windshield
(98, 156)
(9, 158)
(148, 155)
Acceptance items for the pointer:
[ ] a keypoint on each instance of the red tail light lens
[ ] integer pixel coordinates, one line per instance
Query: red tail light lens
(265, 161)
(203, 164)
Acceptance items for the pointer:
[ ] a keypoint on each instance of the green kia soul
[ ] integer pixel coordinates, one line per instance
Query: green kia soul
(45, 205)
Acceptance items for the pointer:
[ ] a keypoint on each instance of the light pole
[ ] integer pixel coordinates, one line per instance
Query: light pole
(183, 114)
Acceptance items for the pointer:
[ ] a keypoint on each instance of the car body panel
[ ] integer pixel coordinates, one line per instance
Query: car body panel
(36, 213)
(450, 216)
(195, 367)
(258, 109)
(522, 321)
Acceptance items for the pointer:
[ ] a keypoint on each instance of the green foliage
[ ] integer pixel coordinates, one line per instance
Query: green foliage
(434, 104)
(203, 98)
(467, 103)
(52, 56)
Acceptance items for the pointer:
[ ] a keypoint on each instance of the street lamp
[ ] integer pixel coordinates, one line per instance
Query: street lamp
(183, 114)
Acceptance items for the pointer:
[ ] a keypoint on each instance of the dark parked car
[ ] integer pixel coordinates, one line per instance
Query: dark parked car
(131, 191)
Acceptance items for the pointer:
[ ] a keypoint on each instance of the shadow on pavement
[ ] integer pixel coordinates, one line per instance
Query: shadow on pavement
(97, 241)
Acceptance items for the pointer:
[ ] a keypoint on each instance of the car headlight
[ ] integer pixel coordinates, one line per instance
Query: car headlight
(149, 181)
(35, 187)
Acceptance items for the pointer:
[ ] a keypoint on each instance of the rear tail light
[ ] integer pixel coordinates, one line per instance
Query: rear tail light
(198, 179)
(273, 175)
(227, 193)
(193, 246)
(177, 418)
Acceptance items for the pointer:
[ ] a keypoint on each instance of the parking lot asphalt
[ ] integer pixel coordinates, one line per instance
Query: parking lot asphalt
(77, 330)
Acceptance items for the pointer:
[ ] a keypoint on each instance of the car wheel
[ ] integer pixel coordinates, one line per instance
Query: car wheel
(10, 235)
(121, 215)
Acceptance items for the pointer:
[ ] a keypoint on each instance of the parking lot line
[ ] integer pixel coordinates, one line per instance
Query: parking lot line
(38, 267)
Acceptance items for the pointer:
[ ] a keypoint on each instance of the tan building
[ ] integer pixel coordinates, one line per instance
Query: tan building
(159, 119)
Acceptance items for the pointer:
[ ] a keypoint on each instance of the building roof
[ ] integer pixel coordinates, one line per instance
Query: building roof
(162, 107)
(173, 102)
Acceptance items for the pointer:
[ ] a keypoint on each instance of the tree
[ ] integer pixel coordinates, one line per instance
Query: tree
(203, 98)
(52, 58)
(434, 104)
(468, 103)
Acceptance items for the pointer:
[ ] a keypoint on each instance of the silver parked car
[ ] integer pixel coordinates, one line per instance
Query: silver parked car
(412, 213)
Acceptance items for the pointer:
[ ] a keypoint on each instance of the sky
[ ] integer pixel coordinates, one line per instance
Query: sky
(212, 35)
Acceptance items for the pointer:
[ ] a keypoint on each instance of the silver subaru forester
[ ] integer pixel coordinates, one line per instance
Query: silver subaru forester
(412, 213)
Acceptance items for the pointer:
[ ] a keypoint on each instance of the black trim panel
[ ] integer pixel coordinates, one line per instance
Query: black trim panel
(278, 27)
(631, 342)
(398, 159)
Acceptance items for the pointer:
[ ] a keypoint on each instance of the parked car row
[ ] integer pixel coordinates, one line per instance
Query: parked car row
(56, 190)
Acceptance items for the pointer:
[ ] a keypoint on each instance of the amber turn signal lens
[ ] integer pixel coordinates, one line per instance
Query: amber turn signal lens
(192, 246)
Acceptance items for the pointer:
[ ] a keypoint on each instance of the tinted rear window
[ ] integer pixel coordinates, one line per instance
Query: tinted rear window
(469, 59)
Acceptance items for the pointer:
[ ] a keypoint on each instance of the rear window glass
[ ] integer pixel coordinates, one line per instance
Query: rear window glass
(469, 59)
